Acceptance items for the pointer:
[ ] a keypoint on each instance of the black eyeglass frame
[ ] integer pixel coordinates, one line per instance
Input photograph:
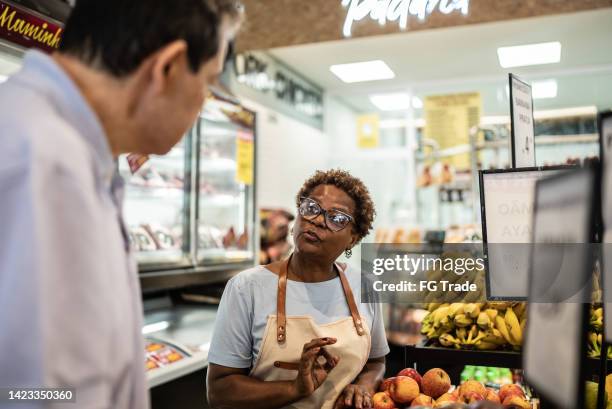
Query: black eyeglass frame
(324, 213)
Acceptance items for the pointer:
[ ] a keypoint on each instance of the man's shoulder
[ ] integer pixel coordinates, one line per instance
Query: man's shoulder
(35, 135)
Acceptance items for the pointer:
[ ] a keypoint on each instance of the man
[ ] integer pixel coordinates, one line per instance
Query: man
(130, 76)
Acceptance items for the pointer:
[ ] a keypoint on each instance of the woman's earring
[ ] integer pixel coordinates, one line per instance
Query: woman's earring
(348, 253)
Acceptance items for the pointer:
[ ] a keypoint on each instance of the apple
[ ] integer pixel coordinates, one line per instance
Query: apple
(382, 400)
(403, 389)
(472, 386)
(472, 397)
(510, 389)
(435, 383)
(515, 402)
(492, 396)
(411, 372)
(422, 400)
(384, 385)
(445, 399)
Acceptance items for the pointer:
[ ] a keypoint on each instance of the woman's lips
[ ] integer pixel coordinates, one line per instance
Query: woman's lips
(311, 236)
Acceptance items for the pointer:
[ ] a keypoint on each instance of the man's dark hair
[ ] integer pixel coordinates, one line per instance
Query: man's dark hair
(118, 35)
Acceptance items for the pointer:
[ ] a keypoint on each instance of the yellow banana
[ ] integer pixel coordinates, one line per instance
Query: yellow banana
(487, 346)
(447, 340)
(500, 324)
(599, 312)
(472, 310)
(461, 334)
(515, 327)
(491, 312)
(455, 308)
(519, 309)
(462, 321)
(483, 321)
(432, 306)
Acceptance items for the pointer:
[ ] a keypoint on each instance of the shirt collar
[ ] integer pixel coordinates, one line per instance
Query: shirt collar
(41, 72)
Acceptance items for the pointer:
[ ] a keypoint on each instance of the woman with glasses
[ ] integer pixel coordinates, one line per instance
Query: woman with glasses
(294, 334)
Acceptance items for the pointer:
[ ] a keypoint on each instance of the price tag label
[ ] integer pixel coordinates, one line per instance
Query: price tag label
(245, 155)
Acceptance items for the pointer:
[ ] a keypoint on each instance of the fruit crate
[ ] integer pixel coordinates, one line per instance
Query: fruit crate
(423, 354)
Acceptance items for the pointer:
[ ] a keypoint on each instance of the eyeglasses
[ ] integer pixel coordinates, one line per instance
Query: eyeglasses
(335, 220)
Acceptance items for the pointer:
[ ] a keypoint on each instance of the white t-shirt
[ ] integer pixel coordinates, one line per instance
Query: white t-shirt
(250, 297)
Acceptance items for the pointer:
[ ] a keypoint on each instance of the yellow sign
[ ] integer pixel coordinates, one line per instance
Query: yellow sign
(245, 155)
(368, 131)
(448, 120)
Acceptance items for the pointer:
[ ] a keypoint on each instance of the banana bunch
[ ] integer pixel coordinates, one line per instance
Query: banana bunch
(596, 321)
(440, 295)
(595, 334)
(485, 326)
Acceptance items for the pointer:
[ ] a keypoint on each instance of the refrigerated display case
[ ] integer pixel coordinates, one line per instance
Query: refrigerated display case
(226, 157)
(192, 211)
(156, 207)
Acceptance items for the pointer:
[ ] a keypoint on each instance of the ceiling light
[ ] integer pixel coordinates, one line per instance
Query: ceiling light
(544, 89)
(530, 54)
(392, 102)
(363, 71)
(3, 78)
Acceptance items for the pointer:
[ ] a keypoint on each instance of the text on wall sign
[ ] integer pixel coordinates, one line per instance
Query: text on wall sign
(398, 10)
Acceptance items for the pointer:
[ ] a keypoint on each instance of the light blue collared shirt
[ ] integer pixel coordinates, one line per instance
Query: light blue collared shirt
(70, 307)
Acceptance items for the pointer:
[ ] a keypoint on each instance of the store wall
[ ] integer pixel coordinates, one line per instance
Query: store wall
(288, 152)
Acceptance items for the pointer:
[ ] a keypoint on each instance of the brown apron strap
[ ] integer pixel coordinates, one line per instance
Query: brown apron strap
(281, 296)
(351, 301)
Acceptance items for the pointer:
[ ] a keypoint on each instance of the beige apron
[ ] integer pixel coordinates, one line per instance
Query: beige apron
(284, 339)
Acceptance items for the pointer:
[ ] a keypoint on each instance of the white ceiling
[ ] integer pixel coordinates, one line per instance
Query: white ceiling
(465, 59)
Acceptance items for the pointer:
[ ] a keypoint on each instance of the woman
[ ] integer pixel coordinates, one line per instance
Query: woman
(291, 334)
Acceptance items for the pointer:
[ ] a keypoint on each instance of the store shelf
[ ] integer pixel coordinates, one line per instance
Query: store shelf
(137, 192)
(420, 353)
(219, 200)
(160, 256)
(224, 255)
(209, 165)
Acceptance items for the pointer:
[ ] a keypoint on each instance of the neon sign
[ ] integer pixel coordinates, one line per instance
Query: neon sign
(398, 10)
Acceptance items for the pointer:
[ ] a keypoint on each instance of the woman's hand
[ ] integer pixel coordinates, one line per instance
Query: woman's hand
(316, 362)
(354, 396)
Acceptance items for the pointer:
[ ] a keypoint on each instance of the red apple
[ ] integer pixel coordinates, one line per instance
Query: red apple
(435, 383)
(515, 402)
(384, 385)
(422, 400)
(492, 396)
(411, 372)
(382, 400)
(403, 389)
(472, 397)
(510, 389)
(471, 386)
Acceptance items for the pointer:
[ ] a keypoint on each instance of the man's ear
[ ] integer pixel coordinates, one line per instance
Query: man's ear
(166, 62)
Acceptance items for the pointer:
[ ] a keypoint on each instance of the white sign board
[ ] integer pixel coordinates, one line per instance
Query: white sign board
(523, 132)
(507, 199)
(398, 10)
(560, 278)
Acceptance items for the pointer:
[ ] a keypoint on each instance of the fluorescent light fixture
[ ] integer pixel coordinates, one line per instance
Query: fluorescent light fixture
(544, 89)
(157, 326)
(392, 102)
(362, 71)
(530, 54)
(3, 78)
(417, 103)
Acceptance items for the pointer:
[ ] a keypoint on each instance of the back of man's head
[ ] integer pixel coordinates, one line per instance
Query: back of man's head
(118, 35)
